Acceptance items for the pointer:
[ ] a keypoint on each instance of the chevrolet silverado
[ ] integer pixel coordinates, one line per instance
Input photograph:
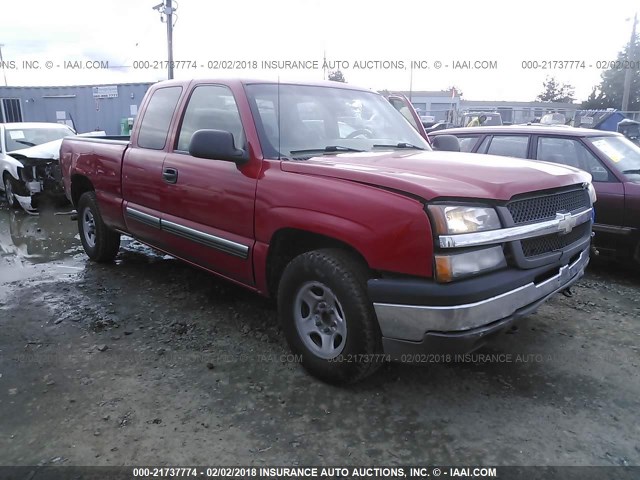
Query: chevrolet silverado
(324, 197)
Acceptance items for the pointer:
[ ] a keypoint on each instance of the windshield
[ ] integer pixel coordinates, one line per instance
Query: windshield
(20, 138)
(624, 155)
(309, 120)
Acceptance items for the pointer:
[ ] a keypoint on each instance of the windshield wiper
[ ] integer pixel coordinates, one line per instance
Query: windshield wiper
(327, 149)
(632, 171)
(24, 142)
(399, 145)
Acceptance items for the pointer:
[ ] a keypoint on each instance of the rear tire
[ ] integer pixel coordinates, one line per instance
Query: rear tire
(9, 189)
(327, 317)
(100, 242)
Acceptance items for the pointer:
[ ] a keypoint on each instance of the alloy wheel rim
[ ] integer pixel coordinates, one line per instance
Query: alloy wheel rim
(320, 320)
(89, 228)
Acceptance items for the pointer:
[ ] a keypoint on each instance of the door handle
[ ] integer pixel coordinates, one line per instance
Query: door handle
(170, 175)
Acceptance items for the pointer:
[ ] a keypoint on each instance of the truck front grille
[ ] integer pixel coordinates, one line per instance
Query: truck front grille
(545, 207)
(532, 247)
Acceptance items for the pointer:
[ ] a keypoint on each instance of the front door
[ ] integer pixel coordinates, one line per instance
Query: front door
(572, 152)
(209, 217)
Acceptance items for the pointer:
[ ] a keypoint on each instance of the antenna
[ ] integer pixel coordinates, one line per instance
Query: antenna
(279, 115)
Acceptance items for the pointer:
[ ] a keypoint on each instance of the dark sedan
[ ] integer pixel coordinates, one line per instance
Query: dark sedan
(611, 159)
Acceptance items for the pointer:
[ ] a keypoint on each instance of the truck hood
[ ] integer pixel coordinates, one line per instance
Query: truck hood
(431, 175)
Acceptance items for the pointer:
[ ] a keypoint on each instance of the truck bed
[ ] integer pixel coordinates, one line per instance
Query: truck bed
(104, 139)
(99, 159)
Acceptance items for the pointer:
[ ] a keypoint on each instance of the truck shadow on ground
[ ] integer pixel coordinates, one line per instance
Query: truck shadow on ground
(524, 362)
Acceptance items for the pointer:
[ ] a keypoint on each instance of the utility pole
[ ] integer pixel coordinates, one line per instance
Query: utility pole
(631, 56)
(166, 8)
(169, 12)
(324, 64)
(4, 71)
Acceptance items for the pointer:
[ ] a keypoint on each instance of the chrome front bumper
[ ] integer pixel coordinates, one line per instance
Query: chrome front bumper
(412, 322)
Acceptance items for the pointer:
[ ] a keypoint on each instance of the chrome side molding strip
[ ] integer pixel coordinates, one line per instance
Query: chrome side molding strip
(142, 217)
(219, 243)
(207, 239)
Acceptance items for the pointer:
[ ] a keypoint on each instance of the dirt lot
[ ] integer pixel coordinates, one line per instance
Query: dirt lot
(149, 361)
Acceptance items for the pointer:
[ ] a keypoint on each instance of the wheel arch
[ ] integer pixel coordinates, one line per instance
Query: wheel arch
(10, 166)
(287, 243)
(79, 185)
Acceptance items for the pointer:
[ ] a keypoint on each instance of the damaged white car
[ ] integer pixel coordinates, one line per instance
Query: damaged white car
(29, 154)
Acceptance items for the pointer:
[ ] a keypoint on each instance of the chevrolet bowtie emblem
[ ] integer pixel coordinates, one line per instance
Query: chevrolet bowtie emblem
(565, 223)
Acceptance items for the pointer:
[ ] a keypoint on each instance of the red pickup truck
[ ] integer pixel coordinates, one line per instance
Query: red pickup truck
(323, 196)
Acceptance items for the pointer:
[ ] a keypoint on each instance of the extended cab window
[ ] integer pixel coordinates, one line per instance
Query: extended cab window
(568, 151)
(509, 146)
(157, 118)
(211, 107)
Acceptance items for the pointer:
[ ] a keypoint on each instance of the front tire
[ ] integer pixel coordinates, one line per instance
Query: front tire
(9, 189)
(327, 317)
(100, 242)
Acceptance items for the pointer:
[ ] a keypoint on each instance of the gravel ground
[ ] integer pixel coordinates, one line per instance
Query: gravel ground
(150, 361)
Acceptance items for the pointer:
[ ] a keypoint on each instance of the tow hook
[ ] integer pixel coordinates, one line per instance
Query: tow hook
(567, 292)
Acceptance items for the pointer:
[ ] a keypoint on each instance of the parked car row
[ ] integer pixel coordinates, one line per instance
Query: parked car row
(612, 160)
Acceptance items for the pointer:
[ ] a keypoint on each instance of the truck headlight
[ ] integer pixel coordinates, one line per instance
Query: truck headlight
(460, 265)
(452, 219)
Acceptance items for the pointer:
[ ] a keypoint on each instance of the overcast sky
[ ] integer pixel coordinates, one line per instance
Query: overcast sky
(509, 32)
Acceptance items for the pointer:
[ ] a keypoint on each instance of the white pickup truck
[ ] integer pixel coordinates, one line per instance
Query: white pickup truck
(29, 154)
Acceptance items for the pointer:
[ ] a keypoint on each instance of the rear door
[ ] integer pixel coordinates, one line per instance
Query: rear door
(211, 210)
(142, 180)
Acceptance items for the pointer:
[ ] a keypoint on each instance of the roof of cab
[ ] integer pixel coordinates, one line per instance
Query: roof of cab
(248, 81)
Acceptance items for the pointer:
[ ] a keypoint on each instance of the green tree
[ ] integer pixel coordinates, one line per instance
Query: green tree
(337, 76)
(554, 91)
(608, 94)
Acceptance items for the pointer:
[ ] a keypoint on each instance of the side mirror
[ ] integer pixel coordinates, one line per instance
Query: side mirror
(216, 145)
(446, 143)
